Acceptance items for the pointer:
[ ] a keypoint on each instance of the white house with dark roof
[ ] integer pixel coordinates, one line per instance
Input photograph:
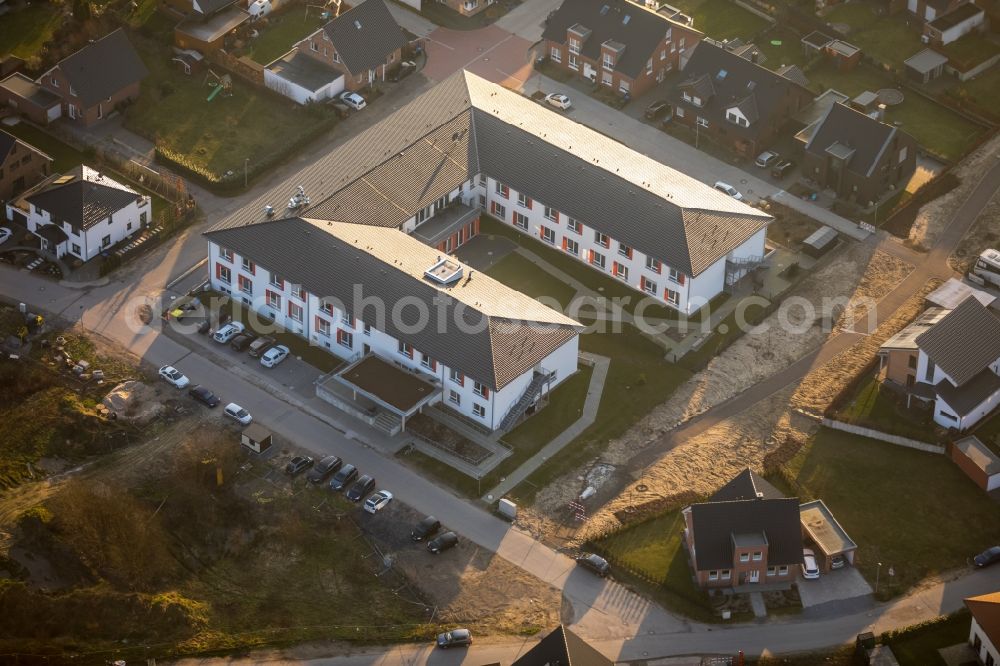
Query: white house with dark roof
(81, 213)
(949, 359)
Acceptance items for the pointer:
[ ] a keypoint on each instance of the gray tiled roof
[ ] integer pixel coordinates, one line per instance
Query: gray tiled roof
(502, 334)
(562, 648)
(971, 394)
(467, 125)
(715, 523)
(745, 486)
(963, 342)
(734, 81)
(867, 137)
(99, 70)
(7, 143)
(605, 19)
(87, 199)
(365, 35)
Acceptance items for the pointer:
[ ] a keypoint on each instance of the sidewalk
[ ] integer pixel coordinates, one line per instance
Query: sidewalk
(587, 418)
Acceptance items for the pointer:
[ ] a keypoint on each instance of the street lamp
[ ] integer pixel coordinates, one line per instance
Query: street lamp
(878, 571)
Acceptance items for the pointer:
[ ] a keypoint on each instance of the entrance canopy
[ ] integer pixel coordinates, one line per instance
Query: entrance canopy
(389, 386)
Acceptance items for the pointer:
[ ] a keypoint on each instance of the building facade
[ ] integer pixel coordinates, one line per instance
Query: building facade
(617, 44)
(21, 166)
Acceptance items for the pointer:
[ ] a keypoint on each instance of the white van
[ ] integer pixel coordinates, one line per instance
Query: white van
(987, 268)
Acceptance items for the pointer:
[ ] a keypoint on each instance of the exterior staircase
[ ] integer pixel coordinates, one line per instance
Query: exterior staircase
(531, 393)
(737, 269)
(387, 423)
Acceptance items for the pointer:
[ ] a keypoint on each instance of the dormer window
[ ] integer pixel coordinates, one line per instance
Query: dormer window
(609, 61)
(574, 45)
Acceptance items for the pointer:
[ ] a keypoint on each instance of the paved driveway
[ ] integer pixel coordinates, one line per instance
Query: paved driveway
(846, 583)
(492, 53)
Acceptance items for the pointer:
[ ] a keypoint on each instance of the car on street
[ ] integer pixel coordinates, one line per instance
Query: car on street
(353, 100)
(298, 464)
(454, 638)
(405, 68)
(766, 159)
(558, 100)
(782, 168)
(344, 477)
(594, 562)
(361, 488)
(378, 501)
(274, 356)
(174, 377)
(261, 345)
(425, 529)
(242, 341)
(726, 188)
(204, 396)
(809, 569)
(324, 468)
(228, 332)
(5, 235)
(237, 413)
(987, 557)
(657, 109)
(442, 543)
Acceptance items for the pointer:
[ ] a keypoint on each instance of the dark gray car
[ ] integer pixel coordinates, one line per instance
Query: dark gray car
(344, 476)
(454, 638)
(324, 468)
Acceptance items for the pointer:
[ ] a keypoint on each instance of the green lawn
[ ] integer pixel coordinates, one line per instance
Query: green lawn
(918, 646)
(972, 49)
(935, 127)
(983, 91)
(23, 31)
(886, 38)
(788, 52)
(721, 19)
(913, 511)
(282, 33)
(880, 410)
(518, 273)
(655, 550)
(211, 138)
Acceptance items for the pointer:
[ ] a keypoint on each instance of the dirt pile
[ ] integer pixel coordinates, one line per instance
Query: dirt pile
(134, 402)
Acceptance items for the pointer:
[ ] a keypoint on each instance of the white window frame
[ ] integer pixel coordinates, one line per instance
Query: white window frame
(479, 410)
(600, 261)
(521, 221)
(454, 397)
(556, 54)
(650, 287)
(573, 247)
(551, 214)
(548, 235)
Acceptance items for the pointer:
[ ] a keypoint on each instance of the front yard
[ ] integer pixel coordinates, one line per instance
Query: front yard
(24, 31)
(874, 407)
(915, 512)
(721, 19)
(213, 139)
(935, 127)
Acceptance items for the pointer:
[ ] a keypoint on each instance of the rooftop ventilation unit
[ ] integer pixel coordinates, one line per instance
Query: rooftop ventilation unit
(299, 199)
(357, 24)
(444, 271)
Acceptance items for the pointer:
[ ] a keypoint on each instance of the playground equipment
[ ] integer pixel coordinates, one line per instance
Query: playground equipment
(220, 84)
(328, 11)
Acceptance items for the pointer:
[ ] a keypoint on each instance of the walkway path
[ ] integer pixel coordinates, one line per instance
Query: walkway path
(587, 418)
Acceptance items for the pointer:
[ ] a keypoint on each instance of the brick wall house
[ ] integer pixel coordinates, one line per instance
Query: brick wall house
(21, 166)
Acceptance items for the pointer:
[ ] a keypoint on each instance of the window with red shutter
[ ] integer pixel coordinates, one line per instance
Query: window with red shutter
(681, 279)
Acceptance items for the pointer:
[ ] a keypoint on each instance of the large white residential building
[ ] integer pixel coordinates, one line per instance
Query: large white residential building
(81, 213)
(419, 180)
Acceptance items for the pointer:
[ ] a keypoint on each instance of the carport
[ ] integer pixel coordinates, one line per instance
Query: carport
(822, 529)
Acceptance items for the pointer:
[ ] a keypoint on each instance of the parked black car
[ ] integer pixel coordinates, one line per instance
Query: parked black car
(443, 543)
(242, 341)
(344, 476)
(204, 396)
(425, 528)
(324, 468)
(361, 488)
(454, 638)
(657, 109)
(595, 563)
(987, 557)
(261, 345)
(782, 168)
(298, 464)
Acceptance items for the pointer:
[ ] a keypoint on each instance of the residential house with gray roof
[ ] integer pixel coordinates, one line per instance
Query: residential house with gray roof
(618, 44)
(97, 79)
(564, 648)
(21, 165)
(424, 176)
(354, 50)
(950, 361)
(81, 213)
(860, 157)
(737, 103)
(748, 533)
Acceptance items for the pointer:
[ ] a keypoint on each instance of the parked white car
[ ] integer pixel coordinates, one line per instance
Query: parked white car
(726, 188)
(378, 501)
(5, 235)
(809, 569)
(238, 414)
(228, 332)
(174, 377)
(353, 100)
(558, 100)
(274, 356)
